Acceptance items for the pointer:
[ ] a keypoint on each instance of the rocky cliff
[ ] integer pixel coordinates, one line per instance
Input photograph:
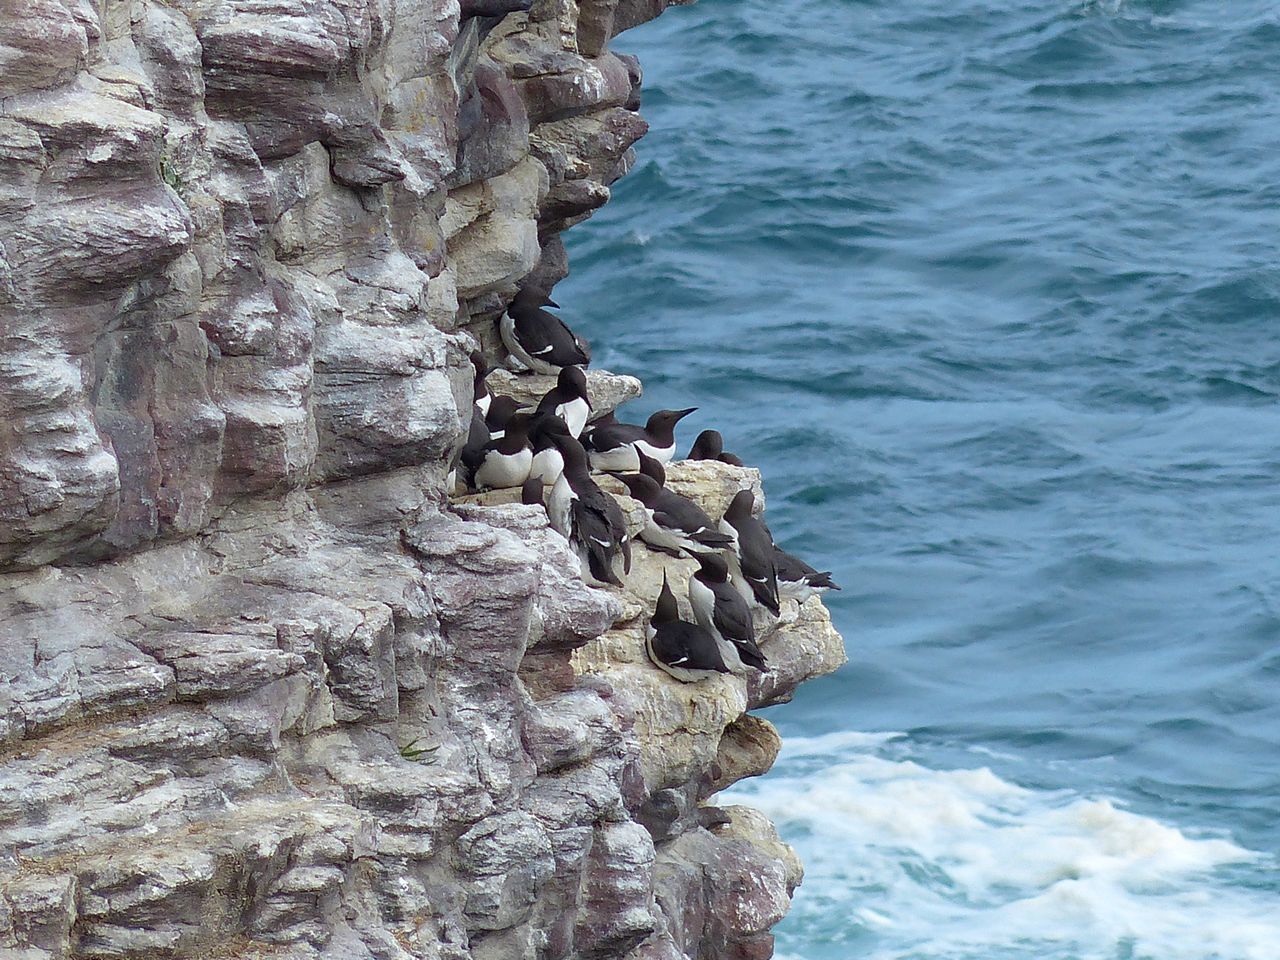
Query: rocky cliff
(264, 690)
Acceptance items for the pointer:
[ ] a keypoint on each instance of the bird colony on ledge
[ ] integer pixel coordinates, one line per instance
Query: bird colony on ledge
(549, 453)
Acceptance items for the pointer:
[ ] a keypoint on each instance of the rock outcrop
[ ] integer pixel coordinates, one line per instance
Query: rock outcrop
(264, 690)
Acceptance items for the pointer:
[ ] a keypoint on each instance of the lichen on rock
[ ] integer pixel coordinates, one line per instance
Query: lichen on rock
(264, 690)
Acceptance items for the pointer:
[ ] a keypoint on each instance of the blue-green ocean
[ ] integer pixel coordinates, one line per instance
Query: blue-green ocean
(990, 291)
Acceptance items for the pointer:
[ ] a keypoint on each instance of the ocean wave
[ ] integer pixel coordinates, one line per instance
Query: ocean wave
(961, 863)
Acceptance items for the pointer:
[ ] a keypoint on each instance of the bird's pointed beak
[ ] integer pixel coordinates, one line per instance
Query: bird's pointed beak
(548, 302)
(681, 414)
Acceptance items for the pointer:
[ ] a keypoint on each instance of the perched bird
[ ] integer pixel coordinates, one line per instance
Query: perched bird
(752, 551)
(504, 461)
(798, 580)
(614, 446)
(568, 399)
(589, 518)
(548, 462)
(677, 526)
(685, 650)
(480, 389)
(501, 410)
(652, 468)
(538, 338)
(710, 446)
(721, 610)
(531, 492)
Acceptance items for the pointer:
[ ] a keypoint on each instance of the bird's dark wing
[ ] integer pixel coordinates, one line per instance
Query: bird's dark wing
(600, 527)
(687, 645)
(732, 616)
(474, 449)
(546, 337)
(609, 436)
(794, 570)
(756, 546)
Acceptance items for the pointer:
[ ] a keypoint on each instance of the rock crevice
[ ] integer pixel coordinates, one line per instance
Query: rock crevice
(264, 690)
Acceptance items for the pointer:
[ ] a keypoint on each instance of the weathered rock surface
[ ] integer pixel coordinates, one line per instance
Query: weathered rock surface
(264, 692)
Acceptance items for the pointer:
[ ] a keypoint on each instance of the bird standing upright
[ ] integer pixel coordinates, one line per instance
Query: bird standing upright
(568, 399)
(587, 517)
(752, 551)
(724, 612)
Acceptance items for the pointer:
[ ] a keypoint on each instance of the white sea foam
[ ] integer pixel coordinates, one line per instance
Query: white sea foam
(950, 864)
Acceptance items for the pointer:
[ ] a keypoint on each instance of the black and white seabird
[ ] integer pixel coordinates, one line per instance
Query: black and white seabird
(568, 399)
(548, 461)
(531, 492)
(677, 526)
(538, 338)
(710, 446)
(798, 580)
(504, 461)
(685, 650)
(480, 389)
(720, 609)
(613, 446)
(588, 518)
(501, 410)
(752, 552)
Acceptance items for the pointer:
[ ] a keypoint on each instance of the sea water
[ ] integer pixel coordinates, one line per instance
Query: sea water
(990, 293)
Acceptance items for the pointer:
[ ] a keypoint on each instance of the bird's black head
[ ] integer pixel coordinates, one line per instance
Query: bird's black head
(642, 488)
(662, 425)
(546, 427)
(573, 381)
(518, 428)
(708, 446)
(713, 567)
(740, 506)
(481, 371)
(666, 610)
(652, 468)
(530, 299)
(501, 410)
(531, 492)
(574, 454)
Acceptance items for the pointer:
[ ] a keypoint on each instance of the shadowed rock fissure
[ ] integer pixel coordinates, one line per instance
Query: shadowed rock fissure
(264, 692)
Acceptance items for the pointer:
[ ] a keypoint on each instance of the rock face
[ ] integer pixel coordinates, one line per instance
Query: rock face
(264, 692)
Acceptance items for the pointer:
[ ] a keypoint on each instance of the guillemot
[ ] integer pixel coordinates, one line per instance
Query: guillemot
(684, 650)
(677, 526)
(504, 461)
(721, 610)
(568, 399)
(614, 446)
(798, 580)
(538, 338)
(587, 517)
(710, 446)
(752, 552)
